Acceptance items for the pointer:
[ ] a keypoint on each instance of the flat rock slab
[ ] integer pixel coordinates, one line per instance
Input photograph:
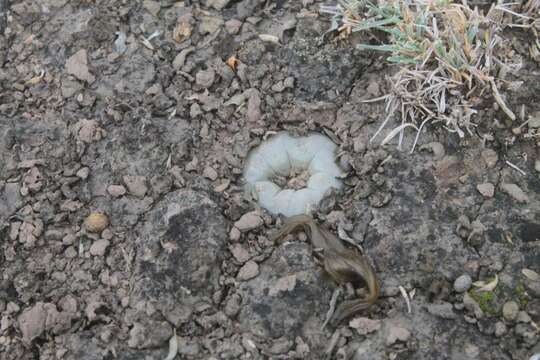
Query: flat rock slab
(179, 250)
(288, 298)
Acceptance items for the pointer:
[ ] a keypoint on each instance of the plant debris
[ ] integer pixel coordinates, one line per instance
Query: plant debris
(448, 54)
(343, 264)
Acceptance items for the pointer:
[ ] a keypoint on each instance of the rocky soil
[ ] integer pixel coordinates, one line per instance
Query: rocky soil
(144, 111)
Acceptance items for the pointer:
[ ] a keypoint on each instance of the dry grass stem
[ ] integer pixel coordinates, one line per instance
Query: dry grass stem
(448, 54)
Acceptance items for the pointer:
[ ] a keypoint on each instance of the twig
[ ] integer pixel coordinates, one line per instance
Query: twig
(515, 168)
(406, 297)
(500, 101)
(332, 309)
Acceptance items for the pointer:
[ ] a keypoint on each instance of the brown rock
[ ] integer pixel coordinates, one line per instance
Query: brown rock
(77, 65)
(96, 222)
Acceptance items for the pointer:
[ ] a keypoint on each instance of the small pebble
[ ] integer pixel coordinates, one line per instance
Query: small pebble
(99, 247)
(83, 173)
(472, 351)
(233, 26)
(248, 271)
(136, 185)
(487, 189)
(462, 283)
(70, 252)
(510, 310)
(116, 190)
(233, 305)
(523, 317)
(96, 222)
(234, 235)
(397, 333)
(107, 234)
(249, 221)
(500, 329)
(210, 173)
(240, 253)
(537, 165)
(364, 325)
(205, 78)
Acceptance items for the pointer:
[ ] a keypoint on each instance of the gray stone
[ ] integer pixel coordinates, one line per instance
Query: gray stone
(10, 200)
(179, 250)
(443, 310)
(136, 185)
(510, 310)
(500, 329)
(486, 189)
(254, 106)
(515, 192)
(70, 87)
(523, 317)
(462, 283)
(233, 26)
(233, 305)
(77, 65)
(205, 78)
(210, 173)
(83, 173)
(116, 190)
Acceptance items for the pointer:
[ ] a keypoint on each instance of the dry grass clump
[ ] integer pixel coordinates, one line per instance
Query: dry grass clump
(449, 54)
